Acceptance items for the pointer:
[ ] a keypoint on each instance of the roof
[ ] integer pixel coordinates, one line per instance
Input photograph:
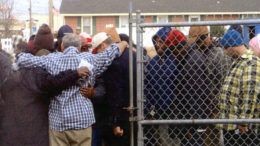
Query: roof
(158, 6)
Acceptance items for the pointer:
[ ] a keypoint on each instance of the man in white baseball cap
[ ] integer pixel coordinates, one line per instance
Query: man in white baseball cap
(100, 42)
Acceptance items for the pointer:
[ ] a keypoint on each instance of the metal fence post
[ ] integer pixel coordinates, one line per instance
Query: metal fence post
(139, 71)
(131, 74)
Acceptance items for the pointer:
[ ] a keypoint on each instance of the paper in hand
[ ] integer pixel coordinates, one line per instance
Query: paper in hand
(86, 64)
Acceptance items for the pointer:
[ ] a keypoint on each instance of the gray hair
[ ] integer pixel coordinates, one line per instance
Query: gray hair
(71, 39)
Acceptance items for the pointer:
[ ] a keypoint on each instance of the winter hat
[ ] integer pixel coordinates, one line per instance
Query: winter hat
(255, 43)
(232, 38)
(195, 32)
(98, 39)
(161, 33)
(85, 39)
(175, 37)
(237, 28)
(43, 39)
(113, 34)
(63, 30)
(30, 43)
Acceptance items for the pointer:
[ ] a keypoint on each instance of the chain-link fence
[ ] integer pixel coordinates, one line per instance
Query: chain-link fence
(197, 87)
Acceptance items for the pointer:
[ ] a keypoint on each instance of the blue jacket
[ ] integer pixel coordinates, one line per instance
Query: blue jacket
(160, 81)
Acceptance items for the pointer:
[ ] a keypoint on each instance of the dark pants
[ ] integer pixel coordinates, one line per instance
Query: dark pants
(96, 137)
(246, 139)
(189, 135)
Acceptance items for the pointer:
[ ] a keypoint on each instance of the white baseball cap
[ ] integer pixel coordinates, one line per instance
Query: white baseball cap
(98, 39)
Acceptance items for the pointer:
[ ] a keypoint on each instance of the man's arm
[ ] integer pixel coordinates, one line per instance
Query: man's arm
(102, 60)
(54, 84)
(29, 60)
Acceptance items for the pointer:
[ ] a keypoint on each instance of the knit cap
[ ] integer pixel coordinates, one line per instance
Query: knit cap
(232, 38)
(43, 39)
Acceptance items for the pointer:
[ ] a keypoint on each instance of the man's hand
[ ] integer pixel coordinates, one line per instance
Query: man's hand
(88, 92)
(122, 45)
(242, 129)
(118, 131)
(83, 71)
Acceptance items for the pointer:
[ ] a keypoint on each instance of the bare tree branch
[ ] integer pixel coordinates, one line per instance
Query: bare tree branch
(6, 17)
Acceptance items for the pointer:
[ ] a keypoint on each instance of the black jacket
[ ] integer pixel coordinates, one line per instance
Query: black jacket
(100, 104)
(117, 87)
(25, 99)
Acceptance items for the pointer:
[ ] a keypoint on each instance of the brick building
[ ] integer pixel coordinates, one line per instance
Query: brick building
(92, 16)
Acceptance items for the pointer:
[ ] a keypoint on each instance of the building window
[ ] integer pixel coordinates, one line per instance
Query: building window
(94, 25)
(202, 17)
(170, 18)
(194, 18)
(109, 25)
(78, 29)
(186, 17)
(251, 16)
(162, 19)
(154, 19)
(117, 22)
(124, 21)
(87, 24)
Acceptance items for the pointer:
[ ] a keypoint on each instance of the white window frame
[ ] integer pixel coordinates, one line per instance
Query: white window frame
(120, 21)
(90, 23)
(194, 16)
(166, 16)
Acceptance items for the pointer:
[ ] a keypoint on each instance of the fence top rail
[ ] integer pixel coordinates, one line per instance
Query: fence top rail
(202, 23)
(199, 121)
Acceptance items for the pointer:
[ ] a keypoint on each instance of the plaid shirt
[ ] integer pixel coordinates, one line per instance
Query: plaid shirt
(70, 110)
(238, 99)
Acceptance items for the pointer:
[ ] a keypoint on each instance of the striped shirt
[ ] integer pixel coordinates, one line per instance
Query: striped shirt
(70, 110)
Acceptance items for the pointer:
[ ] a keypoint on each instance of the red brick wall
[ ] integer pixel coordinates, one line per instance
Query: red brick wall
(178, 18)
(148, 19)
(102, 21)
(220, 17)
(72, 21)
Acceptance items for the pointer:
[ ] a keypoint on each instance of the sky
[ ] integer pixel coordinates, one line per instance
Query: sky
(38, 6)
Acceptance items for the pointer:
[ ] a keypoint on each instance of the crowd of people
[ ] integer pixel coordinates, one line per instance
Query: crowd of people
(198, 77)
(75, 91)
